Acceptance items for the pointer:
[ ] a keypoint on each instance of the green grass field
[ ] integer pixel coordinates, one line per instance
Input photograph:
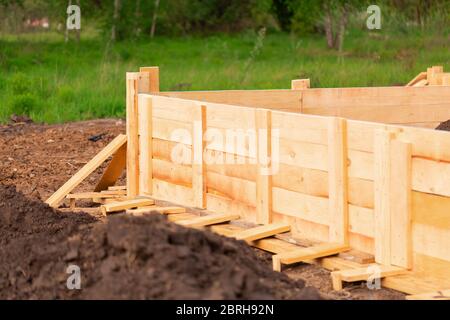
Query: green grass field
(52, 82)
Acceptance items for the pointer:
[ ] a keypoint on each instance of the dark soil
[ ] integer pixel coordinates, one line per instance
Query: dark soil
(126, 258)
(38, 243)
(445, 126)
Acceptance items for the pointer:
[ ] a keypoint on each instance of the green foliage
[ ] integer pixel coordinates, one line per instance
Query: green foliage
(24, 104)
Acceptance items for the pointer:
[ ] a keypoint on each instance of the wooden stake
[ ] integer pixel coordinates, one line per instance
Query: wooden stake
(145, 145)
(198, 163)
(300, 84)
(400, 204)
(150, 84)
(382, 163)
(264, 177)
(338, 180)
(132, 135)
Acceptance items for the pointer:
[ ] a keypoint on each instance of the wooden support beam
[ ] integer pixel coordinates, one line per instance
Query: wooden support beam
(300, 84)
(400, 211)
(161, 210)
(338, 180)
(420, 83)
(262, 232)
(150, 84)
(208, 220)
(305, 254)
(382, 172)
(114, 170)
(87, 169)
(117, 188)
(114, 192)
(124, 205)
(91, 195)
(198, 163)
(263, 122)
(132, 135)
(145, 145)
(436, 295)
(364, 274)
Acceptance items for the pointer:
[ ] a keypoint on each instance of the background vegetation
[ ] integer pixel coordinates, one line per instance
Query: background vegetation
(53, 75)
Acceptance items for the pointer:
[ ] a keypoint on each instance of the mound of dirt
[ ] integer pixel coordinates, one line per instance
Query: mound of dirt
(126, 258)
(445, 126)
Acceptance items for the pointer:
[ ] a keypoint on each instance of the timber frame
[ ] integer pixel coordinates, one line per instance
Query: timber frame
(356, 169)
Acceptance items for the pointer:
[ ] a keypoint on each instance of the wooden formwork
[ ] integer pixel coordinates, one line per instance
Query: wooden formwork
(340, 169)
(353, 167)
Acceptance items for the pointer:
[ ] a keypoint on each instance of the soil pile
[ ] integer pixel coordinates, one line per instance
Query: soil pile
(126, 258)
(445, 126)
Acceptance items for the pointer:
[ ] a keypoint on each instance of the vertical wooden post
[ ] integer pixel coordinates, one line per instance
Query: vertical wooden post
(338, 180)
(132, 134)
(300, 84)
(150, 82)
(198, 163)
(145, 145)
(263, 125)
(400, 204)
(382, 176)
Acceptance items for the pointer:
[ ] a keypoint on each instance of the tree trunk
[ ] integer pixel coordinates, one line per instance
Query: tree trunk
(155, 16)
(115, 19)
(342, 26)
(328, 24)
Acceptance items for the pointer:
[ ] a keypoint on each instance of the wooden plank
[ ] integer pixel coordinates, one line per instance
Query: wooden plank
(338, 181)
(269, 99)
(264, 157)
(419, 77)
(306, 207)
(167, 191)
(162, 210)
(262, 232)
(132, 134)
(232, 188)
(373, 271)
(300, 84)
(198, 163)
(411, 104)
(436, 295)
(117, 188)
(86, 170)
(123, 205)
(383, 173)
(145, 145)
(219, 204)
(152, 84)
(420, 83)
(305, 254)
(90, 195)
(431, 176)
(114, 170)
(400, 204)
(423, 204)
(208, 220)
(172, 172)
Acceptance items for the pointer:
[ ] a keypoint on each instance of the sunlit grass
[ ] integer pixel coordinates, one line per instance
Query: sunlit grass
(52, 81)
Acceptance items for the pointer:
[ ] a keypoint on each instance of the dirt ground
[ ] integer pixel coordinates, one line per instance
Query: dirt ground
(37, 242)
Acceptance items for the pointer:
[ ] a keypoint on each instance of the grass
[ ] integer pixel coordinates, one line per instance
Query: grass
(54, 82)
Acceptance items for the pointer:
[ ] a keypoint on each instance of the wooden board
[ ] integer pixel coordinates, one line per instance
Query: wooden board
(305, 254)
(86, 170)
(262, 232)
(123, 205)
(162, 210)
(208, 220)
(436, 295)
(114, 170)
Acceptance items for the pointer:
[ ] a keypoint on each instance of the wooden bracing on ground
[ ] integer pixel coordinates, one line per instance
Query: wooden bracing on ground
(343, 168)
